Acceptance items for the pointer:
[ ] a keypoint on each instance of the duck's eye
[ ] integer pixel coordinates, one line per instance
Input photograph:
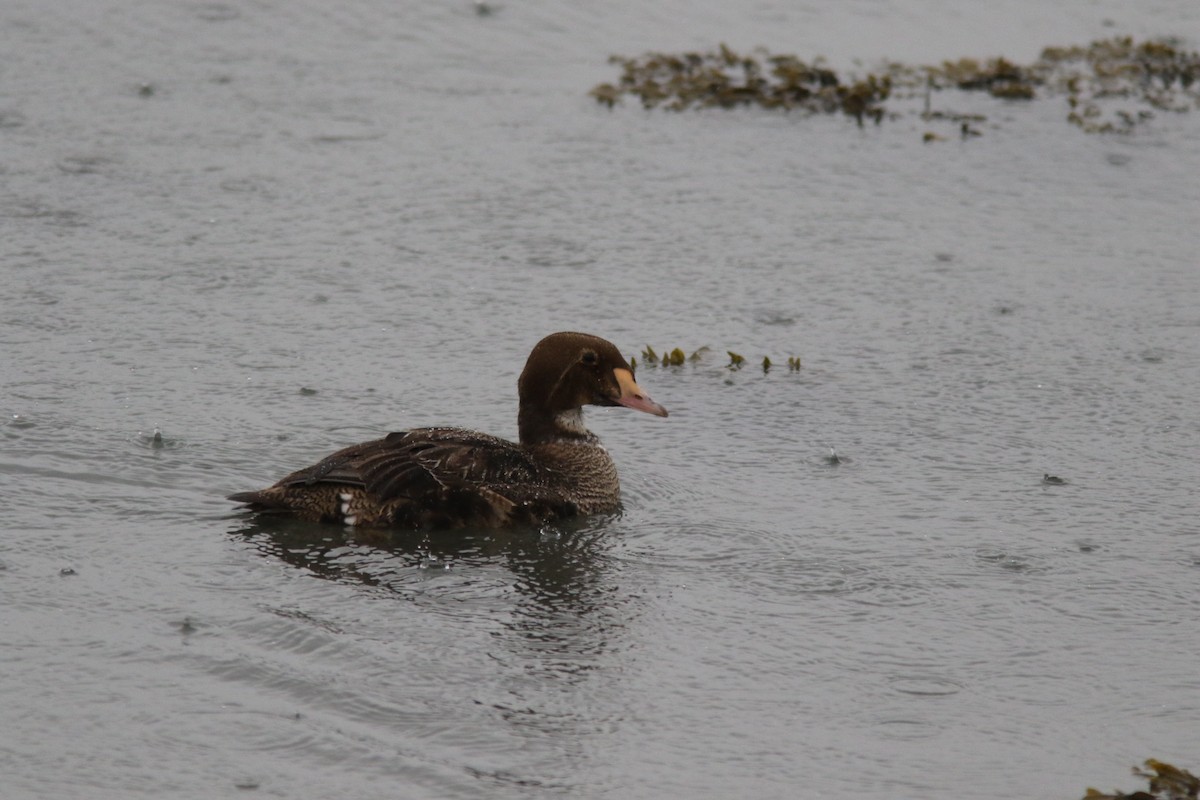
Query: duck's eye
(589, 358)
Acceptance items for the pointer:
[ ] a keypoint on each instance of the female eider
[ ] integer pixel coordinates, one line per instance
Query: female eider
(452, 477)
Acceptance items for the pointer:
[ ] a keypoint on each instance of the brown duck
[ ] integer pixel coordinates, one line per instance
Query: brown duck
(452, 477)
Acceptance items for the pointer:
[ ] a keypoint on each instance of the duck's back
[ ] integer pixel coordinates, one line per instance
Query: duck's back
(446, 477)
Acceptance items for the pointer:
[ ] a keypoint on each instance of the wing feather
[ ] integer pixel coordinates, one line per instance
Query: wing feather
(416, 463)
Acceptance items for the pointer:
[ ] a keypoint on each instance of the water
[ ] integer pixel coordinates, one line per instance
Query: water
(271, 230)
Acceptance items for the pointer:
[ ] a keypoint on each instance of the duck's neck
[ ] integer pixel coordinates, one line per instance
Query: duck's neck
(539, 426)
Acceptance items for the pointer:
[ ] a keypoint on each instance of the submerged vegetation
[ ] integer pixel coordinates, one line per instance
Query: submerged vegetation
(1109, 86)
(1167, 782)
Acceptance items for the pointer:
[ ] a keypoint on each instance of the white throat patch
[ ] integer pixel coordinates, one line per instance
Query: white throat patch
(572, 422)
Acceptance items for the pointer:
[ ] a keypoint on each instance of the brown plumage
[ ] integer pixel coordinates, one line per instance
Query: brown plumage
(452, 477)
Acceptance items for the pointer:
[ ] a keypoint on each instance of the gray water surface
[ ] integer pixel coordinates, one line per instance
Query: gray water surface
(269, 230)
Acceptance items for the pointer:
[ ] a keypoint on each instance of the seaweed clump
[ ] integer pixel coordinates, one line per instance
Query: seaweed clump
(725, 79)
(1155, 75)
(999, 77)
(1167, 782)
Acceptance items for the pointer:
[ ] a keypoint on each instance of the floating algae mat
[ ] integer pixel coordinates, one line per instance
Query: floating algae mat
(1167, 782)
(1109, 86)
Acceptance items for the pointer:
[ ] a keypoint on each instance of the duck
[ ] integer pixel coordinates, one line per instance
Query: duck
(448, 477)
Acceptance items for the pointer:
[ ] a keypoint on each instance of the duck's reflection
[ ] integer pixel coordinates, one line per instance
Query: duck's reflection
(554, 604)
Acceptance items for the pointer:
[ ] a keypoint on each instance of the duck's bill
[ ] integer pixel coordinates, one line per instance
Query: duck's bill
(633, 397)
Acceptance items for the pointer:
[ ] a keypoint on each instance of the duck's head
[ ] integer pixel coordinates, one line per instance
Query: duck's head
(567, 371)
